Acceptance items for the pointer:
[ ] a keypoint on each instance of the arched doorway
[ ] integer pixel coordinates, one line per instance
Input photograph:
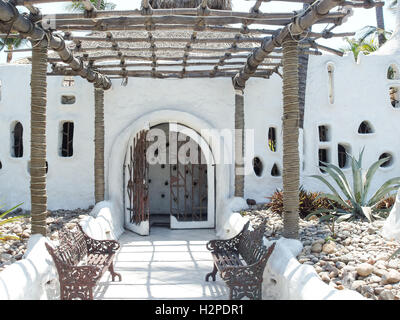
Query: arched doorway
(169, 179)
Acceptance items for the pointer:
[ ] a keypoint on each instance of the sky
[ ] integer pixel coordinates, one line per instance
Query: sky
(359, 19)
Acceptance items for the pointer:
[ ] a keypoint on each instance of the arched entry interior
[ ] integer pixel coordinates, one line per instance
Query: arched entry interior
(170, 180)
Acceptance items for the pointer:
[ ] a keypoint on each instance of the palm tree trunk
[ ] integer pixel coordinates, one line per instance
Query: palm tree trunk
(291, 161)
(303, 68)
(99, 145)
(380, 23)
(38, 138)
(239, 143)
(9, 54)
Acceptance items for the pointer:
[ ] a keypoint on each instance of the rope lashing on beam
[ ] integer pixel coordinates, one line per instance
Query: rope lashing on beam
(301, 23)
(36, 33)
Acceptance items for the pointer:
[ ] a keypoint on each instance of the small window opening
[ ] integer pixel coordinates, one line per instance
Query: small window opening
(323, 156)
(68, 81)
(17, 143)
(68, 99)
(393, 72)
(387, 163)
(394, 96)
(257, 166)
(67, 139)
(343, 156)
(272, 139)
(365, 128)
(330, 69)
(1, 165)
(323, 132)
(275, 171)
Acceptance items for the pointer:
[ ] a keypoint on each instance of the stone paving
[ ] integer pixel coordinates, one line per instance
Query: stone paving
(168, 264)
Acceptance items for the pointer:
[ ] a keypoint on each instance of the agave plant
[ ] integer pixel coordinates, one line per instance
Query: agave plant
(355, 203)
(4, 220)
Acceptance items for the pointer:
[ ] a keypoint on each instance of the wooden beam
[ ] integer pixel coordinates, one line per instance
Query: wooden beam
(22, 24)
(301, 23)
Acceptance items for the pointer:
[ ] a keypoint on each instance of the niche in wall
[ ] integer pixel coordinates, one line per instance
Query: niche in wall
(394, 96)
(393, 72)
(275, 172)
(68, 99)
(324, 133)
(1, 165)
(387, 163)
(365, 128)
(68, 81)
(331, 94)
(17, 147)
(323, 156)
(272, 139)
(257, 166)
(67, 139)
(343, 152)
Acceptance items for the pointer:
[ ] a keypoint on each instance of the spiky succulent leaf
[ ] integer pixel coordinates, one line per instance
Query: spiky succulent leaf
(370, 173)
(337, 175)
(389, 186)
(357, 179)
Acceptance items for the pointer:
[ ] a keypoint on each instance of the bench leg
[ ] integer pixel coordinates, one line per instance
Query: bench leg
(69, 292)
(239, 292)
(113, 273)
(212, 273)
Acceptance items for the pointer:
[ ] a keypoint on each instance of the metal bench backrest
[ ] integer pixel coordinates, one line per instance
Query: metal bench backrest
(250, 244)
(72, 248)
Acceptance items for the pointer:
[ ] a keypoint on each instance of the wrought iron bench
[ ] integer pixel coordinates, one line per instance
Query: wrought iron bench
(81, 261)
(241, 262)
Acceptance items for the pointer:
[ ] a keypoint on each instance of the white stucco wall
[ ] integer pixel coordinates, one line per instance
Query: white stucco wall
(361, 92)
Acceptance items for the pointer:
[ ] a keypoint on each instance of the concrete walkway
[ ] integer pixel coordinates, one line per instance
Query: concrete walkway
(168, 264)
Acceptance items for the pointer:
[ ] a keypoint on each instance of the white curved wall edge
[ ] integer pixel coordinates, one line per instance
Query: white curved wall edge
(391, 227)
(35, 277)
(28, 279)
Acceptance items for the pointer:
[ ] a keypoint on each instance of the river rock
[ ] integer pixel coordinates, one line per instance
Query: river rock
(390, 277)
(386, 295)
(365, 269)
(329, 247)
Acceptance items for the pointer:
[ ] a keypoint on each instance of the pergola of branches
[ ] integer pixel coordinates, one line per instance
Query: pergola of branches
(173, 43)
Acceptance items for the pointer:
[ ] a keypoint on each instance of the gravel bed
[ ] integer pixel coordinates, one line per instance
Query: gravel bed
(14, 250)
(356, 259)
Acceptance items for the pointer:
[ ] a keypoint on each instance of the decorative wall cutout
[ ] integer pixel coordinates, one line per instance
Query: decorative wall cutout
(323, 156)
(324, 133)
(17, 147)
(394, 96)
(365, 128)
(275, 172)
(272, 139)
(330, 67)
(1, 165)
(343, 152)
(257, 166)
(67, 141)
(68, 81)
(68, 99)
(393, 72)
(387, 163)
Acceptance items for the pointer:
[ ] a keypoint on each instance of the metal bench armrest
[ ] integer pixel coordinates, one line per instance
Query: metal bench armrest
(99, 246)
(227, 244)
